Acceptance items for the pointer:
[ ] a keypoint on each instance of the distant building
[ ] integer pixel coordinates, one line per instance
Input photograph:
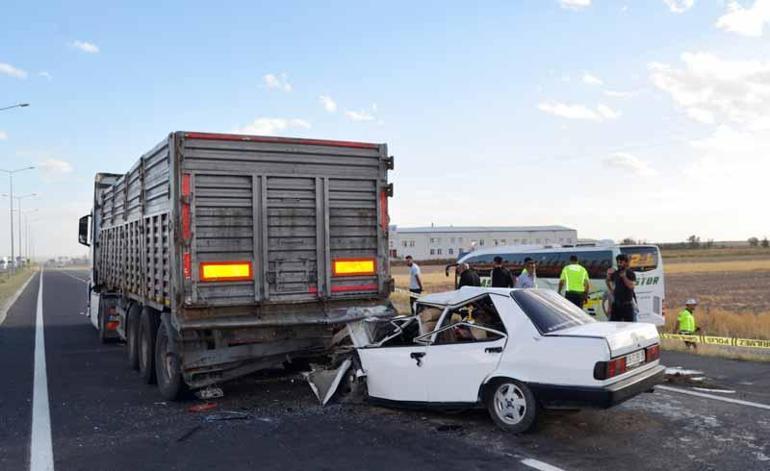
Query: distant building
(444, 242)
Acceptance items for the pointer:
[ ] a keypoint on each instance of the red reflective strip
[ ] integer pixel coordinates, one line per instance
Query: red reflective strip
(344, 289)
(112, 325)
(284, 140)
(384, 218)
(187, 265)
(186, 184)
(186, 224)
(313, 290)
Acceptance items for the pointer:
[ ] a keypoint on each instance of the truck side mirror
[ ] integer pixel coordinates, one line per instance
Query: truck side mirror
(83, 230)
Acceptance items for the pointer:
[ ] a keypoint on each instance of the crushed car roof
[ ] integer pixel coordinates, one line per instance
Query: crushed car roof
(450, 298)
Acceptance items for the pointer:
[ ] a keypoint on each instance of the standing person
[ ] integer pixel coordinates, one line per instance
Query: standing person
(622, 283)
(686, 321)
(528, 276)
(575, 278)
(501, 276)
(415, 282)
(468, 276)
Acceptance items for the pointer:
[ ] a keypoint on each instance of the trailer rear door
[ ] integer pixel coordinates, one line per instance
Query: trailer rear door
(271, 219)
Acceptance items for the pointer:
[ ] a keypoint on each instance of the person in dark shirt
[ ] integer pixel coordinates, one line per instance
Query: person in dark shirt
(622, 283)
(468, 276)
(501, 276)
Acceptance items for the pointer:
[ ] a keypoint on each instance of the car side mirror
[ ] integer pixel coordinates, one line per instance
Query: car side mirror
(83, 226)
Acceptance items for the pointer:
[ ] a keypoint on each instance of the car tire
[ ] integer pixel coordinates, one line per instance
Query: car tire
(148, 330)
(132, 335)
(512, 406)
(168, 370)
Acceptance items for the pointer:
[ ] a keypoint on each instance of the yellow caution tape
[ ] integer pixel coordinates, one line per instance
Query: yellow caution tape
(723, 341)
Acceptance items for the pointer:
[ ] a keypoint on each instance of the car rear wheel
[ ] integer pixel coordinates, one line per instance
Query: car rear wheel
(148, 330)
(132, 335)
(512, 406)
(168, 369)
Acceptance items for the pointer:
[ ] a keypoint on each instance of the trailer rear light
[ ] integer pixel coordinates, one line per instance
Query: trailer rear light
(652, 353)
(226, 271)
(187, 265)
(609, 369)
(354, 266)
(185, 208)
(111, 325)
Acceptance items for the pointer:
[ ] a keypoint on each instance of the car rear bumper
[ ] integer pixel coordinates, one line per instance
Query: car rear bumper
(556, 396)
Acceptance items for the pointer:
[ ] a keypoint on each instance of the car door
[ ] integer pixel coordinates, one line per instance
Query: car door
(455, 369)
(395, 373)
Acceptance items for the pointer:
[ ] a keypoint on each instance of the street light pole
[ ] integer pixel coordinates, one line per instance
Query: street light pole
(18, 105)
(18, 204)
(10, 211)
(26, 232)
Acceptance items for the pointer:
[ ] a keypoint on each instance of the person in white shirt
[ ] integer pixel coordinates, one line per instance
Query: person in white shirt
(528, 277)
(415, 283)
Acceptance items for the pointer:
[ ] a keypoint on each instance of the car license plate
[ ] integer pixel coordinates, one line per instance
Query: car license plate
(635, 359)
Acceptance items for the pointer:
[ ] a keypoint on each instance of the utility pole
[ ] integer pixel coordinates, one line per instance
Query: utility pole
(10, 210)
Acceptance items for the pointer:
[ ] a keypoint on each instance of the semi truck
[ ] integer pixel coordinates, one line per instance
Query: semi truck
(217, 255)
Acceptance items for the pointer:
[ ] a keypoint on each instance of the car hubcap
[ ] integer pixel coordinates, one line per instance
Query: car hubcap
(510, 404)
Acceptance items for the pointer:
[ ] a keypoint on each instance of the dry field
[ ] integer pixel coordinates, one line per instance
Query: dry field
(732, 286)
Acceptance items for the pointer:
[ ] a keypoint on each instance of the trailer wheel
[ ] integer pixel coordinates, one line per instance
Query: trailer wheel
(148, 330)
(132, 335)
(168, 368)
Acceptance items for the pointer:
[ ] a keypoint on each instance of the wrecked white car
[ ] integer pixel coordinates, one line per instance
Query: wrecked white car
(511, 351)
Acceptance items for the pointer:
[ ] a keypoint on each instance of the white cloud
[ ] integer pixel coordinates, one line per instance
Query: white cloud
(54, 169)
(362, 115)
(85, 46)
(679, 6)
(712, 90)
(11, 71)
(328, 104)
(629, 163)
(45, 75)
(268, 126)
(575, 4)
(3, 136)
(573, 111)
(619, 94)
(278, 82)
(745, 21)
(590, 79)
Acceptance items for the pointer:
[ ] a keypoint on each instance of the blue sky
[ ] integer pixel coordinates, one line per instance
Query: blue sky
(645, 118)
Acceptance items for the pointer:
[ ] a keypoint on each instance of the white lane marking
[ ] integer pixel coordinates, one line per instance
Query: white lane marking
(717, 398)
(7, 307)
(537, 464)
(41, 448)
(72, 276)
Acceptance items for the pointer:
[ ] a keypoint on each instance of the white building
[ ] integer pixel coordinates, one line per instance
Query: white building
(448, 242)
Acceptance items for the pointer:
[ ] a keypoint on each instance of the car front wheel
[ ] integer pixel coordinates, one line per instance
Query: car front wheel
(512, 406)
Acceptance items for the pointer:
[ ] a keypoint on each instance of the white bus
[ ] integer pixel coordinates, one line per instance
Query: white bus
(645, 260)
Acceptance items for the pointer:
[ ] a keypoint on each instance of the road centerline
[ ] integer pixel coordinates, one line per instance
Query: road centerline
(41, 448)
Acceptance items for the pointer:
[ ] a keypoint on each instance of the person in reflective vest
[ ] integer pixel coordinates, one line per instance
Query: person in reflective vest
(686, 321)
(575, 278)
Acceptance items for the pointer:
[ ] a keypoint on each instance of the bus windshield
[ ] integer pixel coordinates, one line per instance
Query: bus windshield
(640, 258)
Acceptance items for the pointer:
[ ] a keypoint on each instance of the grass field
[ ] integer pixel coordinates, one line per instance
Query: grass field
(10, 284)
(732, 286)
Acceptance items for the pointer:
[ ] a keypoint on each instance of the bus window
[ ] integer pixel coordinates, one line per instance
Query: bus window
(641, 259)
(596, 262)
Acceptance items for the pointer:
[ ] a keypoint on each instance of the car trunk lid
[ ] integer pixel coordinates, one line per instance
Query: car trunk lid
(622, 337)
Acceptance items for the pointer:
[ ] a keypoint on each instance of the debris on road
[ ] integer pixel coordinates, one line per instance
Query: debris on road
(211, 392)
(324, 383)
(227, 415)
(203, 407)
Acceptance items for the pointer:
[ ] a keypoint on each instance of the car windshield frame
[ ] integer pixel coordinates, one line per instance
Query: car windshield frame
(548, 311)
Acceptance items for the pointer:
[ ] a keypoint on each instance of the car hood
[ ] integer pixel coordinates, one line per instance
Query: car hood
(622, 337)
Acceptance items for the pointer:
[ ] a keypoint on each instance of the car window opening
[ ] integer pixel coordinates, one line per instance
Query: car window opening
(470, 321)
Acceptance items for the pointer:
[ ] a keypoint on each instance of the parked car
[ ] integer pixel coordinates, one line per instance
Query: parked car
(511, 351)
(5, 264)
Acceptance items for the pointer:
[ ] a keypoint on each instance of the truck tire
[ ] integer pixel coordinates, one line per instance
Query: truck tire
(168, 369)
(148, 330)
(512, 406)
(132, 335)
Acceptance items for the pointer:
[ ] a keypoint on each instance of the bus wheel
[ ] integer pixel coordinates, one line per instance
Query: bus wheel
(132, 335)
(148, 330)
(168, 368)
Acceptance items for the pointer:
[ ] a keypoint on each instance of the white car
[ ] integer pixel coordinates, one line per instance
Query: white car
(513, 351)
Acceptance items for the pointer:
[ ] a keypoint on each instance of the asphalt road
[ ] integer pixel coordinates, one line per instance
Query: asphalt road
(103, 418)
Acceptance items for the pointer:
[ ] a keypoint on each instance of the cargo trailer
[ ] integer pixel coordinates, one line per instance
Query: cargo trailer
(217, 255)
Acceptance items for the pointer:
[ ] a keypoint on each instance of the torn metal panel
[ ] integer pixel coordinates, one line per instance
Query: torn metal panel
(325, 383)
